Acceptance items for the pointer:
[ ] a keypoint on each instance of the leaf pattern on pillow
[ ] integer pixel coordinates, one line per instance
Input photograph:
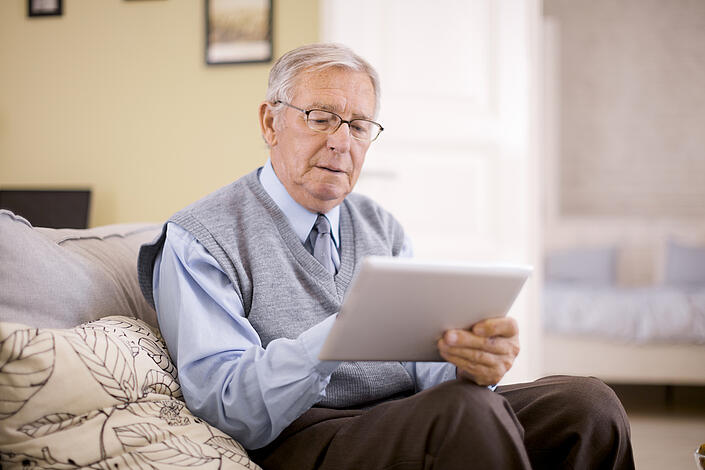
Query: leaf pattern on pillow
(26, 363)
(138, 420)
(120, 326)
(229, 448)
(54, 422)
(160, 445)
(106, 361)
(157, 351)
(158, 381)
(168, 410)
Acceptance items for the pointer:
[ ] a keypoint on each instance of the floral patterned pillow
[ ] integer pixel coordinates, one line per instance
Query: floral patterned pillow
(101, 395)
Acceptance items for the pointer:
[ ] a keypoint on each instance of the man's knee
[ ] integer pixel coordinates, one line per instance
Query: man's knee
(469, 421)
(587, 407)
(592, 406)
(462, 394)
(571, 421)
(462, 404)
(591, 397)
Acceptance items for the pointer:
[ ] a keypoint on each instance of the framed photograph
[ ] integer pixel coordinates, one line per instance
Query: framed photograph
(44, 7)
(238, 31)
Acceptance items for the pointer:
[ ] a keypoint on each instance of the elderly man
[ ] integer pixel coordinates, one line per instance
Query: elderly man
(247, 283)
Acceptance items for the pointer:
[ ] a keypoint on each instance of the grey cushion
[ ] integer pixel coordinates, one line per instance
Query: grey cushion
(685, 265)
(594, 266)
(59, 278)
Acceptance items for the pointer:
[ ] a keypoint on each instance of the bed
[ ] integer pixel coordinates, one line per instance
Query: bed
(647, 335)
(625, 335)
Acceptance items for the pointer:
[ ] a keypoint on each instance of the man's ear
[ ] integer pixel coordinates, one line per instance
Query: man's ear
(266, 124)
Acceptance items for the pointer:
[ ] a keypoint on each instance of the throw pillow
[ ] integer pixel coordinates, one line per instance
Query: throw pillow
(100, 395)
(594, 266)
(685, 265)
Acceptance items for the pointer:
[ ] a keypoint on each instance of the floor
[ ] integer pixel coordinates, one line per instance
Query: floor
(668, 424)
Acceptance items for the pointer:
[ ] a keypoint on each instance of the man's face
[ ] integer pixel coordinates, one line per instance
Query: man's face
(319, 170)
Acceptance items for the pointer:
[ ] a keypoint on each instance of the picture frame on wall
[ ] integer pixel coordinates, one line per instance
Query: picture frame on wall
(238, 31)
(44, 7)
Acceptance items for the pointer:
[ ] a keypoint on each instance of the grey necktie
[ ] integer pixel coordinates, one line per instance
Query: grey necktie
(321, 245)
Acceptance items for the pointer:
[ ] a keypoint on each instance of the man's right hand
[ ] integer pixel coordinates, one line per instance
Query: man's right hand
(484, 353)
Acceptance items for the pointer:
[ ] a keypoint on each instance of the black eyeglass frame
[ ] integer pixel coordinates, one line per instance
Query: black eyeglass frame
(342, 121)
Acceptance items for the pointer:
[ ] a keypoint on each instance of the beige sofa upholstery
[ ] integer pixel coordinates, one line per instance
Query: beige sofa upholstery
(85, 377)
(61, 278)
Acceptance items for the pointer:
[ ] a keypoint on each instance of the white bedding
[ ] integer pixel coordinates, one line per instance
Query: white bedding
(638, 315)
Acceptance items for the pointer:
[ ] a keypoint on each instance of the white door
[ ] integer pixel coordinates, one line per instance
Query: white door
(456, 162)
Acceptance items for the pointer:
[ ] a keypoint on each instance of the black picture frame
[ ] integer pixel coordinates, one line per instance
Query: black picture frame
(45, 8)
(238, 32)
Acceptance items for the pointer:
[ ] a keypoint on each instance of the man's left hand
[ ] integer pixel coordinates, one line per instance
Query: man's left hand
(485, 352)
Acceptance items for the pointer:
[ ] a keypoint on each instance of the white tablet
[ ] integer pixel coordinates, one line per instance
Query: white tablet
(396, 309)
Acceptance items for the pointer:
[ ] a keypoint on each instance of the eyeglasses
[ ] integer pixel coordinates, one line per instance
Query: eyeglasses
(326, 121)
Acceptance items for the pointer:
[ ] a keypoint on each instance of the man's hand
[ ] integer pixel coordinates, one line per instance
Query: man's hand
(485, 352)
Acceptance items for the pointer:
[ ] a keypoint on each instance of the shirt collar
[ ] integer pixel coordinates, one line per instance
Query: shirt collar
(300, 218)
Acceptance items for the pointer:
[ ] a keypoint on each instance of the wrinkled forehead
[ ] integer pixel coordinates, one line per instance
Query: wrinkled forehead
(337, 89)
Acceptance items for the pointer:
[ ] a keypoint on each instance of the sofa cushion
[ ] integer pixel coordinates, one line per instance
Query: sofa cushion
(60, 278)
(101, 395)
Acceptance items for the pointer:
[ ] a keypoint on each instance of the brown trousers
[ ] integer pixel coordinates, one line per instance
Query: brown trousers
(552, 423)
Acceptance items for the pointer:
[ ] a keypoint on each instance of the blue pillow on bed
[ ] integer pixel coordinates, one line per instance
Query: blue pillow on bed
(685, 265)
(593, 266)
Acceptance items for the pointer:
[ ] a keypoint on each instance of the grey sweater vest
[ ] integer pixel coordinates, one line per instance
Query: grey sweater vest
(284, 290)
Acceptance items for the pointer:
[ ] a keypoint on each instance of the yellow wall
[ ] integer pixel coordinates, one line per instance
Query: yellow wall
(115, 95)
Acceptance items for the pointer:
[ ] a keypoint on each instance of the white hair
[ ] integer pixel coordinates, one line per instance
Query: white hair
(315, 57)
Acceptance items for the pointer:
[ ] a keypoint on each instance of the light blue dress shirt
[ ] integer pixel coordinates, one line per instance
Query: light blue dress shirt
(226, 376)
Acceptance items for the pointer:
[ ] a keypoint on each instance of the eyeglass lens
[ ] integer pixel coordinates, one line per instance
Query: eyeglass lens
(325, 121)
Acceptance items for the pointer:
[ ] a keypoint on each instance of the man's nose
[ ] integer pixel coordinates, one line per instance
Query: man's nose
(341, 139)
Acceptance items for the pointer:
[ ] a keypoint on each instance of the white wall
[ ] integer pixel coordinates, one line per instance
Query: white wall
(624, 141)
(456, 162)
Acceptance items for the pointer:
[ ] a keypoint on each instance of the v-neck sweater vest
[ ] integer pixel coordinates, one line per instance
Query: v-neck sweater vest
(284, 290)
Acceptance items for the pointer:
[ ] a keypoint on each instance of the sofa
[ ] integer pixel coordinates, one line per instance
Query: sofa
(85, 377)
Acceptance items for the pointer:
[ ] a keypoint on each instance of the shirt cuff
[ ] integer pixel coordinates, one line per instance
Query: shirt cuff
(312, 341)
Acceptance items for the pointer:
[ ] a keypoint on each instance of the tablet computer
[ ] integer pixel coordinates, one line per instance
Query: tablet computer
(396, 309)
